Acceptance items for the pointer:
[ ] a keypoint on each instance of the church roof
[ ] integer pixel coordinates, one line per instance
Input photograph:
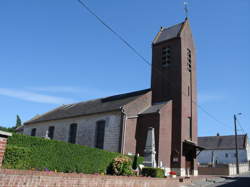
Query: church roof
(154, 108)
(168, 33)
(222, 142)
(107, 104)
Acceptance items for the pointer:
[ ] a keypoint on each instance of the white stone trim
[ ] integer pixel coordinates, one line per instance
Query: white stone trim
(3, 133)
(195, 172)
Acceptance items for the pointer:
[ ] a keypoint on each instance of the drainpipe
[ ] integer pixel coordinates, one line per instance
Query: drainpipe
(123, 129)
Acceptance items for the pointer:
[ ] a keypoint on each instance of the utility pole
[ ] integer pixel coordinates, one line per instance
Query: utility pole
(236, 144)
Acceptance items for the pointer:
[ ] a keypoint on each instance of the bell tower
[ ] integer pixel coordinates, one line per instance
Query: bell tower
(174, 78)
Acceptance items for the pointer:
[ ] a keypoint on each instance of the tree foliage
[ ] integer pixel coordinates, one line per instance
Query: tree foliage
(18, 121)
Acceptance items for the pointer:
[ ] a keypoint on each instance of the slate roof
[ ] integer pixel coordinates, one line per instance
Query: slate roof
(222, 142)
(168, 33)
(154, 108)
(107, 104)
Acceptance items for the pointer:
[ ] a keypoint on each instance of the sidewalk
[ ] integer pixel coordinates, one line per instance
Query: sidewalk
(212, 181)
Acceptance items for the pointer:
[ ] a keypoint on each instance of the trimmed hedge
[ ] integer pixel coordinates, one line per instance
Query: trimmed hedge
(27, 152)
(153, 172)
(17, 157)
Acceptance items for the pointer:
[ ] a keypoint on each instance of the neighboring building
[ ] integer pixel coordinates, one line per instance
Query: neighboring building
(221, 149)
(19, 129)
(120, 123)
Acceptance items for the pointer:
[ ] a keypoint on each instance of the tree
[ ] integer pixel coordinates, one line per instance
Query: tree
(18, 121)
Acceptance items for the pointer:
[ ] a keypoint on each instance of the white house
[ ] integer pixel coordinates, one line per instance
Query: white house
(221, 149)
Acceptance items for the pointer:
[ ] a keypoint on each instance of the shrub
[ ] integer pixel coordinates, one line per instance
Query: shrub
(121, 165)
(153, 172)
(17, 157)
(27, 152)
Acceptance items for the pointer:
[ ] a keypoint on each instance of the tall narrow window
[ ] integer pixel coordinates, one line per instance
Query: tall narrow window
(189, 60)
(190, 127)
(72, 133)
(188, 90)
(166, 56)
(51, 132)
(100, 132)
(33, 132)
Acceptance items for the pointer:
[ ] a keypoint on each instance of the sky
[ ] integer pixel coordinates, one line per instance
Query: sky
(53, 52)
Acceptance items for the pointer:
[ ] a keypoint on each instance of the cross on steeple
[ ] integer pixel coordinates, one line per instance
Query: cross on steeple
(186, 8)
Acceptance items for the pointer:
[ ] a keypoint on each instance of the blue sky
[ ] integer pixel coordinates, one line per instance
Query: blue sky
(54, 52)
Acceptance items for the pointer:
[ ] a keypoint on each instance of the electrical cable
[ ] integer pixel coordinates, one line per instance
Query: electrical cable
(143, 58)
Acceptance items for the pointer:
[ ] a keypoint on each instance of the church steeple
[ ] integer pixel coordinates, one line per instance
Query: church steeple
(174, 79)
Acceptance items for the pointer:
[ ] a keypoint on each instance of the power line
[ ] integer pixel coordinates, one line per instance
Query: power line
(142, 57)
(114, 32)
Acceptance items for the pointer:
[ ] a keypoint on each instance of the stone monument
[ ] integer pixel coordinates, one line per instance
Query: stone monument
(149, 151)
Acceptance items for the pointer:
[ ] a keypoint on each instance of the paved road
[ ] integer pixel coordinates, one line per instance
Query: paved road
(238, 181)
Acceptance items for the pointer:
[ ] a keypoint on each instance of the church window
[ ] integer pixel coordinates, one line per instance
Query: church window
(188, 90)
(100, 132)
(51, 132)
(189, 60)
(72, 133)
(190, 127)
(166, 56)
(33, 132)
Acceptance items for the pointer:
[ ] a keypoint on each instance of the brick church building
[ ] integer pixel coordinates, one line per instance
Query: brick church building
(119, 123)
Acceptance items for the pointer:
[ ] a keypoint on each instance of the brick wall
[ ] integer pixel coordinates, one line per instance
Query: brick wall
(19, 178)
(3, 142)
(213, 171)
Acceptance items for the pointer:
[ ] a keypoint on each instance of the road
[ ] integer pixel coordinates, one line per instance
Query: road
(241, 181)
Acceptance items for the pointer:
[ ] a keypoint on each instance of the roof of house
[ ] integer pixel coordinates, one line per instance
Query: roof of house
(107, 104)
(154, 108)
(222, 142)
(168, 33)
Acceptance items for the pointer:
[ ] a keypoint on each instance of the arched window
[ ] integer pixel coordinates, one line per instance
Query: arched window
(72, 133)
(100, 132)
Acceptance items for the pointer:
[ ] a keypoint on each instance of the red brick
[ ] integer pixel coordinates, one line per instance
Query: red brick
(22, 178)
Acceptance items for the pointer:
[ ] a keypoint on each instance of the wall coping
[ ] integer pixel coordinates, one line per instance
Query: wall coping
(5, 134)
(79, 175)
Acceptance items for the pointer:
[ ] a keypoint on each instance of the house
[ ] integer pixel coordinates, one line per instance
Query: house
(120, 123)
(221, 149)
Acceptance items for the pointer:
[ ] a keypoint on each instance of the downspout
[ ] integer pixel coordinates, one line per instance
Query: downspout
(123, 130)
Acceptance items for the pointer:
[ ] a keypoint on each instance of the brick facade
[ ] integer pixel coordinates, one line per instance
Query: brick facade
(3, 142)
(179, 80)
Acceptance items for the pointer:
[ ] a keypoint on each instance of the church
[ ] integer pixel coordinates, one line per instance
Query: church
(120, 123)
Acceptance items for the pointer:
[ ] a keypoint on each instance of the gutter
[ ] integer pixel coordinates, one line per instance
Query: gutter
(123, 130)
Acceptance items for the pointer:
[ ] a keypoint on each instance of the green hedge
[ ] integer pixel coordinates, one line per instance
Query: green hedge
(17, 157)
(26, 152)
(153, 172)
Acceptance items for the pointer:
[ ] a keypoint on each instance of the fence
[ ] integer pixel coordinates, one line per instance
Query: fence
(223, 169)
